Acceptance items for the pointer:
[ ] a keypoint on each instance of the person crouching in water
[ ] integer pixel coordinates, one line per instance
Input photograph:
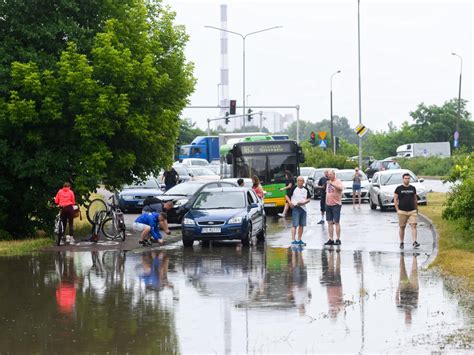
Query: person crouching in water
(149, 226)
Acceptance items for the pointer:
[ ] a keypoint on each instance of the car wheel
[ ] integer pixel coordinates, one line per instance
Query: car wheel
(382, 207)
(206, 243)
(246, 239)
(188, 242)
(263, 233)
(373, 206)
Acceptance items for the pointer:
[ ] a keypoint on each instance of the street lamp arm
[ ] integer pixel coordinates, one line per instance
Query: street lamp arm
(265, 29)
(460, 58)
(332, 75)
(223, 30)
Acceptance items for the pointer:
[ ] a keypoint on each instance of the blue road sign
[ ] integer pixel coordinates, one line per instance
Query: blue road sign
(323, 143)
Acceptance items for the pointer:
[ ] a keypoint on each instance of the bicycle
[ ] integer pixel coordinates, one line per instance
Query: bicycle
(58, 228)
(106, 217)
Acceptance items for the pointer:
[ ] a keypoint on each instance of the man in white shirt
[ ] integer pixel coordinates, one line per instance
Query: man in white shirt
(298, 198)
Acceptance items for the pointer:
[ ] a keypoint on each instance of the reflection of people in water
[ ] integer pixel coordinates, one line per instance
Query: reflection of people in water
(331, 278)
(155, 270)
(66, 289)
(297, 284)
(406, 297)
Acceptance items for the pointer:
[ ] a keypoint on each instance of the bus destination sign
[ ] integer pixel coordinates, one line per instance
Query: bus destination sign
(266, 148)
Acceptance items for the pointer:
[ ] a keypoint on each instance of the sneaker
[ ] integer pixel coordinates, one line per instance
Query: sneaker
(402, 245)
(281, 215)
(300, 242)
(416, 244)
(68, 238)
(329, 242)
(321, 222)
(337, 242)
(71, 240)
(294, 242)
(143, 243)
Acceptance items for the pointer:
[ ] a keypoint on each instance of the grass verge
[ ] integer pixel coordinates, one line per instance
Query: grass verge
(21, 247)
(456, 246)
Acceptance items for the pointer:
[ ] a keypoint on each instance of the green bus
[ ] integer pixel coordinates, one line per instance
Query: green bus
(268, 159)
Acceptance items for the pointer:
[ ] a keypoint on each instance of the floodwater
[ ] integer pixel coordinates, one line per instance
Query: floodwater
(365, 296)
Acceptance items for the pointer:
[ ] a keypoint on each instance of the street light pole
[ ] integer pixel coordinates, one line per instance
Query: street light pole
(332, 118)
(243, 36)
(360, 99)
(459, 94)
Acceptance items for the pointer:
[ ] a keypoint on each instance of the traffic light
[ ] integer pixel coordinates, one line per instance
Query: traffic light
(337, 142)
(227, 120)
(249, 116)
(233, 105)
(312, 138)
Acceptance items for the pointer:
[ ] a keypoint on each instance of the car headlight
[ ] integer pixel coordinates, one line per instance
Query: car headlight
(188, 221)
(387, 194)
(235, 220)
(180, 203)
(126, 197)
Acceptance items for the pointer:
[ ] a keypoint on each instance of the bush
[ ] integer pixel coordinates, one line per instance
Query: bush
(460, 202)
(320, 158)
(428, 166)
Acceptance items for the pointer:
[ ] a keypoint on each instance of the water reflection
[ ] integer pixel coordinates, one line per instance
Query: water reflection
(154, 270)
(67, 285)
(331, 278)
(298, 291)
(406, 297)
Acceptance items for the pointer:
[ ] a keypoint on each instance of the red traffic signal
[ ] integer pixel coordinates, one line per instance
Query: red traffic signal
(233, 106)
(313, 135)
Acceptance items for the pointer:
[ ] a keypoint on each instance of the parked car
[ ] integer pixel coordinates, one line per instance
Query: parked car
(306, 171)
(183, 173)
(183, 196)
(225, 214)
(312, 182)
(215, 168)
(383, 186)
(193, 162)
(381, 165)
(202, 173)
(131, 197)
(346, 175)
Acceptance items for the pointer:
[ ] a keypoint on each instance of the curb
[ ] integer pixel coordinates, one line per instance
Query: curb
(435, 234)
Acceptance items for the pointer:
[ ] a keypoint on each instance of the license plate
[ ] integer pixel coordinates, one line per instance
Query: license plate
(211, 230)
(270, 205)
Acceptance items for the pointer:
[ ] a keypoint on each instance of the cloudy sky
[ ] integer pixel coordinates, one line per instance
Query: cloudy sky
(405, 55)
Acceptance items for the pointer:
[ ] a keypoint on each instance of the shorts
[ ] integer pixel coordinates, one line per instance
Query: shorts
(333, 213)
(139, 227)
(406, 216)
(356, 188)
(323, 203)
(298, 217)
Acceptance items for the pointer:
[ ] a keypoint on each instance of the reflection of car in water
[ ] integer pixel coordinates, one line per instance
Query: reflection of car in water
(235, 273)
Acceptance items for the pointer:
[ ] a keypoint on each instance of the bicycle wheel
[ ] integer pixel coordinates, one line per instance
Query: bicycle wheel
(59, 229)
(96, 205)
(111, 229)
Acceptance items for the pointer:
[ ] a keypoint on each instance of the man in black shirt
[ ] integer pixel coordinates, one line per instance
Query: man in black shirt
(406, 204)
(322, 185)
(170, 178)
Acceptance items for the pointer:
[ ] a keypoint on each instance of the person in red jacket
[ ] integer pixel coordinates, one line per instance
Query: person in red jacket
(66, 200)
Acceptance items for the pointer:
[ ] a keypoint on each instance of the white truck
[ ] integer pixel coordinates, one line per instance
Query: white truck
(429, 149)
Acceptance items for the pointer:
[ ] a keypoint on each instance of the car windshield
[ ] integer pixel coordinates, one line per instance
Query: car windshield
(395, 179)
(219, 200)
(185, 189)
(180, 170)
(318, 174)
(390, 164)
(306, 171)
(202, 172)
(199, 162)
(147, 184)
(348, 175)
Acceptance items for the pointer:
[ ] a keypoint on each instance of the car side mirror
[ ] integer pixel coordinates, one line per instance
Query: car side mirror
(310, 178)
(421, 180)
(254, 205)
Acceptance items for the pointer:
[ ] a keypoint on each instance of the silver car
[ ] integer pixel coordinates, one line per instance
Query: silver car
(383, 186)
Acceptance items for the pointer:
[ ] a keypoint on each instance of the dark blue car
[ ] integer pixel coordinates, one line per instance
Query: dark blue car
(225, 214)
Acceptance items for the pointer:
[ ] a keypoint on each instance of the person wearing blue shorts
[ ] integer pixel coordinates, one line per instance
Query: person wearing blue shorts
(356, 187)
(297, 198)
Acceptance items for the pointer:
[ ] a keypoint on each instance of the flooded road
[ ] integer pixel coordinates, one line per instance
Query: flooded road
(365, 296)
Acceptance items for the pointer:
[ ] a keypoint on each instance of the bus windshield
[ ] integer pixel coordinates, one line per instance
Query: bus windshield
(268, 168)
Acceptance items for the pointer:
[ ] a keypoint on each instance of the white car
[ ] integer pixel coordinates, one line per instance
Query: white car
(385, 182)
(194, 162)
(202, 173)
(247, 181)
(346, 175)
(306, 171)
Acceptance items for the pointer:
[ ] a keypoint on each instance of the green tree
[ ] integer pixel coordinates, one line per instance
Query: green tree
(187, 132)
(107, 116)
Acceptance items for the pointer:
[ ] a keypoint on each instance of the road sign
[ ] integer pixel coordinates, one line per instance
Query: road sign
(456, 135)
(322, 135)
(323, 143)
(360, 130)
